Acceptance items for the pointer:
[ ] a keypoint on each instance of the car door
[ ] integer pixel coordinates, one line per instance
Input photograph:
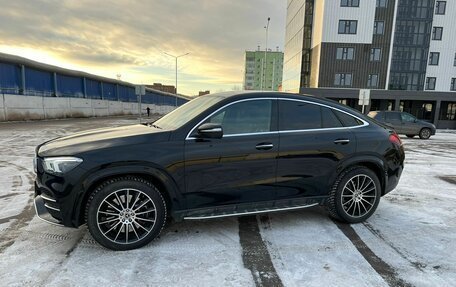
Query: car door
(241, 166)
(394, 120)
(313, 141)
(410, 125)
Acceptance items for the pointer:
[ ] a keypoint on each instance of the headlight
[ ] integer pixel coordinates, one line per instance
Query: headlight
(60, 165)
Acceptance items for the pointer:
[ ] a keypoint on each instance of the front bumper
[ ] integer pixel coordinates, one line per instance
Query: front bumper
(43, 210)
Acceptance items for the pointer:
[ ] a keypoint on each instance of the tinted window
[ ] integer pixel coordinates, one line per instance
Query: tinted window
(393, 117)
(295, 115)
(347, 120)
(407, 117)
(329, 119)
(244, 117)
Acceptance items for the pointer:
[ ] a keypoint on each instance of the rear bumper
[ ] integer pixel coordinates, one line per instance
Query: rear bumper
(393, 179)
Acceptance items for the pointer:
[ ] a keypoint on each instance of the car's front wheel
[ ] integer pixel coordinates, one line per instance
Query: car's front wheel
(125, 213)
(355, 195)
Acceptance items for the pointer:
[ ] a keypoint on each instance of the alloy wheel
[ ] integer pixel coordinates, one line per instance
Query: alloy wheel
(126, 216)
(358, 195)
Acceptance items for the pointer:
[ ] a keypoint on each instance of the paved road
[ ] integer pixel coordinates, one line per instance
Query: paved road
(410, 240)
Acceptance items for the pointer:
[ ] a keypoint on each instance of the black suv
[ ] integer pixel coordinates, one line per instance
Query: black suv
(219, 155)
(404, 123)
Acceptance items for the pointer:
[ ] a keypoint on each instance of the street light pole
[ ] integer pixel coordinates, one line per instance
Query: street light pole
(176, 57)
(265, 54)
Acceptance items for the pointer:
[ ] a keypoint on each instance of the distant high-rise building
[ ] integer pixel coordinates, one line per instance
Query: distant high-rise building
(382, 44)
(257, 76)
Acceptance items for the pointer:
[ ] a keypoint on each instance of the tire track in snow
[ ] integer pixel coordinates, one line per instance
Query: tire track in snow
(386, 271)
(376, 233)
(9, 236)
(255, 254)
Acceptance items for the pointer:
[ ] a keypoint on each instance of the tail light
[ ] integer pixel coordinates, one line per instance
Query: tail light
(394, 138)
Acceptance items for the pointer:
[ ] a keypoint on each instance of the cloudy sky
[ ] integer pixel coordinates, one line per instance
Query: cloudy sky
(129, 37)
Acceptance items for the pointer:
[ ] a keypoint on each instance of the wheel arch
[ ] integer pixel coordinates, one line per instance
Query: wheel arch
(372, 163)
(158, 177)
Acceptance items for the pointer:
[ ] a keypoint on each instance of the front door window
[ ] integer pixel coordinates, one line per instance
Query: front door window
(248, 117)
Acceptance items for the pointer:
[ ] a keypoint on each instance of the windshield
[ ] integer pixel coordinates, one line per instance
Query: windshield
(186, 112)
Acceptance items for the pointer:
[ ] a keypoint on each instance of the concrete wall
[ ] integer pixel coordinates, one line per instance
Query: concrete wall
(20, 108)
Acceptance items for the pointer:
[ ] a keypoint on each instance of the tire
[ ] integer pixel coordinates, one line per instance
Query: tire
(120, 224)
(346, 206)
(425, 133)
(411, 136)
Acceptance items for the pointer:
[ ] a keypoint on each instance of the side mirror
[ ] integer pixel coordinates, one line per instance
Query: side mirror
(208, 130)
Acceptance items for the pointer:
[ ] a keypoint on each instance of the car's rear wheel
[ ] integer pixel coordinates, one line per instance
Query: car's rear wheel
(355, 195)
(425, 133)
(411, 136)
(125, 213)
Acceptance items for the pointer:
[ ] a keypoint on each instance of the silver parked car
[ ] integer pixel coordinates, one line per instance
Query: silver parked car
(404, 123)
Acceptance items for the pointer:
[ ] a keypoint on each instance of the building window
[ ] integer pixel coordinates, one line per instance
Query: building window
(453, 84)
(454, 64)
(440, 7)
(379, 27)
(376, 54)
(434, 58)
(372, 81)
(348, 26)
(430, 83)
(345, 53)
(349, 3)
(437, 33)
(343, 80)
(382, 3)
(448, 111)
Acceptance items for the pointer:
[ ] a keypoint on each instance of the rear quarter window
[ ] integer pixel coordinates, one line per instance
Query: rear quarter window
(348, 120)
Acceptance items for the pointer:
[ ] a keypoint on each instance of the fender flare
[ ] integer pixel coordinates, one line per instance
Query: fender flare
(94, 176)
(369, 159)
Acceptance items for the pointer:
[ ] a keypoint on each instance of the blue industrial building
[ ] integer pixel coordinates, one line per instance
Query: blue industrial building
(20, 76)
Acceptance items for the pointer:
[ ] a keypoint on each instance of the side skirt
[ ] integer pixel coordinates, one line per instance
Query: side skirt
(248, 209)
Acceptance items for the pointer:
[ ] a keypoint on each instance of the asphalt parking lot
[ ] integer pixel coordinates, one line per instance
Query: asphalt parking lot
(409, 241)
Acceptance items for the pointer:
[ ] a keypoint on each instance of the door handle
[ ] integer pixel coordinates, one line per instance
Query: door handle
(264, 146)
(342, 141)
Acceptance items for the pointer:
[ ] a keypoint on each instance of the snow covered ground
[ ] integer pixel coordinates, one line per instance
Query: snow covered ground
(409, 241)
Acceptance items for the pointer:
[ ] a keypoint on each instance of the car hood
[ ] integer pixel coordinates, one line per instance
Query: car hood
(100, 139)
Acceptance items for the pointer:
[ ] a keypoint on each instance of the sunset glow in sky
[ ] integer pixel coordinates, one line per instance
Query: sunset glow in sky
(129, 37)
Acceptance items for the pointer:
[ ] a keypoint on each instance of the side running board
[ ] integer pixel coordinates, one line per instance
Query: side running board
(257, 211)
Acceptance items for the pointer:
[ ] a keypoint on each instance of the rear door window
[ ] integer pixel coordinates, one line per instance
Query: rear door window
(393, 117)
(296, 115)
(329, 119)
